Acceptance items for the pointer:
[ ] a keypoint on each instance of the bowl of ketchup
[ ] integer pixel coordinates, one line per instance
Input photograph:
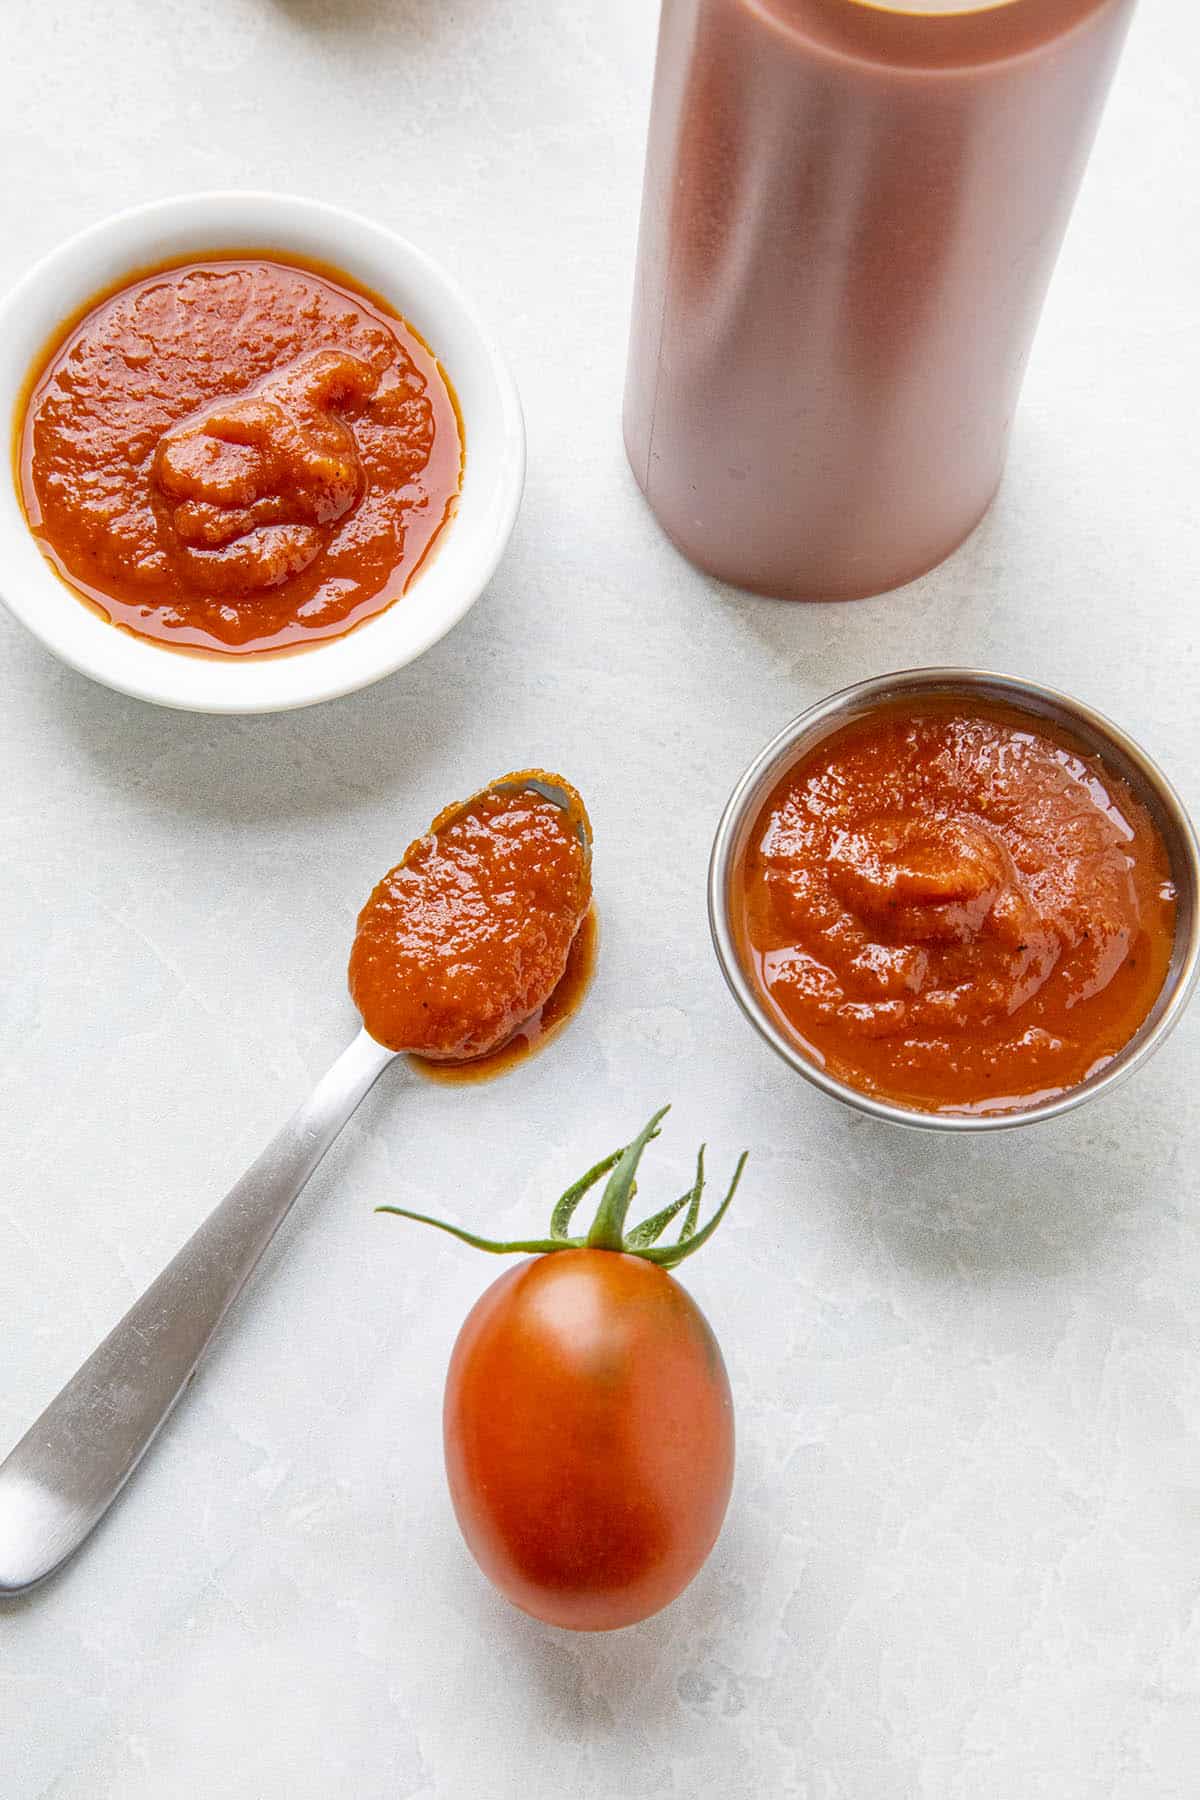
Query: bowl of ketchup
(263, 452)
(957, 900)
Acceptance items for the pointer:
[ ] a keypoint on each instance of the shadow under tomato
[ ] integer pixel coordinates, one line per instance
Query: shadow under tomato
(593, 1683)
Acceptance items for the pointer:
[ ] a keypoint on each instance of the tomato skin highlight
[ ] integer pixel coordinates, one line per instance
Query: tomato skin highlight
(589, 1438)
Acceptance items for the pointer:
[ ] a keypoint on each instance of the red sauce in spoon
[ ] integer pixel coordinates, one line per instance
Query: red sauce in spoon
(466, 942)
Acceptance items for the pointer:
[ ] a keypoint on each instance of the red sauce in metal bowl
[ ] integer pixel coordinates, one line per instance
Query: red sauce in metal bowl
(956, 907)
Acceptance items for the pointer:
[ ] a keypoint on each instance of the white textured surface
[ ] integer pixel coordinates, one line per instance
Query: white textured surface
(963, 1549)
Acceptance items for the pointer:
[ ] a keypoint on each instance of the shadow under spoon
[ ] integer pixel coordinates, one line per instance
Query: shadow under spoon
(67, 1470)
(73, 1462)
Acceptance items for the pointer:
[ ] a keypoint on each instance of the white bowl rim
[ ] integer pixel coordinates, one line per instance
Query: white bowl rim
(165, 231)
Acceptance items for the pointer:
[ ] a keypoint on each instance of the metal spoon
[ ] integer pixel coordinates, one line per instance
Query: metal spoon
(72, 1463)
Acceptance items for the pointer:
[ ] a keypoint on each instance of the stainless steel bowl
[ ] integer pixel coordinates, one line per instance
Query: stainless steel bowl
(1094, 732)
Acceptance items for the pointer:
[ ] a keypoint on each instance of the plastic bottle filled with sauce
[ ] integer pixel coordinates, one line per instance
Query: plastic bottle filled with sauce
(851, 214)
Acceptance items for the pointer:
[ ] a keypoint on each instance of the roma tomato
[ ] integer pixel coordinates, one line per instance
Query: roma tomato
(588, 1419)
(589, 1437)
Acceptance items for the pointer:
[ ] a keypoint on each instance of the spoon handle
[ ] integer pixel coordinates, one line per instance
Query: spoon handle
(71, 1465)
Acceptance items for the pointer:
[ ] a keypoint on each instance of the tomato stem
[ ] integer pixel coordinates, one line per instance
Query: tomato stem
(608, 1231)
(565, 1210)
(687, 1229)
(608, 1227)
(669, 1256)
(518, 1246)
(650, 1230)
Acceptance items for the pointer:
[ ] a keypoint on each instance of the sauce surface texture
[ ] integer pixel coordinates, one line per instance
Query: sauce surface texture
(239, 454)
(467, 938)
(532, 1034)
(955, 910)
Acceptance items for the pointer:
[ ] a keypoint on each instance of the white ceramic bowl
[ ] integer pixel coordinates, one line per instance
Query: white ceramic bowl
(466, 555)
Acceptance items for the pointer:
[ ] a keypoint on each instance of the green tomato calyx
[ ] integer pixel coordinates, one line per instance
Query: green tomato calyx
(608, 1229)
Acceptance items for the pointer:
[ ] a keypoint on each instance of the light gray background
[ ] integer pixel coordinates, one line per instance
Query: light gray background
(962, 1554)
